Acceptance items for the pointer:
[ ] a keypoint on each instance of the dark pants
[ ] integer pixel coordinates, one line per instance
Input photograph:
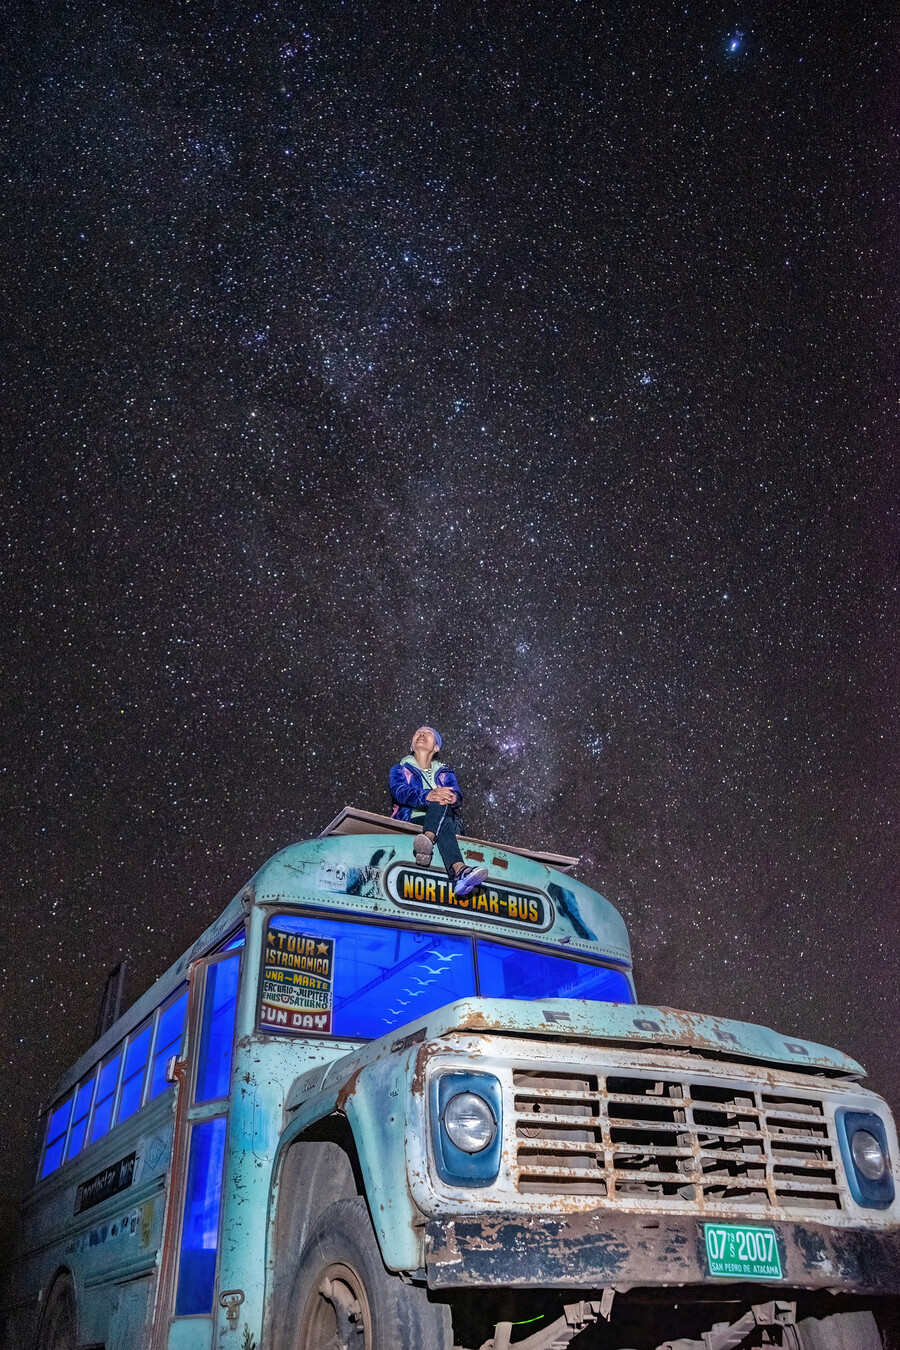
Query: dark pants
(439, 822)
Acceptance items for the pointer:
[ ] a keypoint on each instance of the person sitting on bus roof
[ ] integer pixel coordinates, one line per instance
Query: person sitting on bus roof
(425, 791)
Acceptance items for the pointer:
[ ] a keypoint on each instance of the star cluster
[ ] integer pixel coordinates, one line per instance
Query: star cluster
(522, 371)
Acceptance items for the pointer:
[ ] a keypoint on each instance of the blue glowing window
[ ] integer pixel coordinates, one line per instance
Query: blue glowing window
(233, 943)
(217, 1031)
(106, 1095)
(169, 1031)
(326, 977)
(83, 1099)
(200, 1229)
(512, 972)
(134, 1073)
(56, 1138)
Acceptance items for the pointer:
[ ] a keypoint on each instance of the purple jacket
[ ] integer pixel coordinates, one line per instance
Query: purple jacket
(409, 789)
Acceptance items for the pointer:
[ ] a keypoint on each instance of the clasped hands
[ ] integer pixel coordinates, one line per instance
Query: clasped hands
(444, 796)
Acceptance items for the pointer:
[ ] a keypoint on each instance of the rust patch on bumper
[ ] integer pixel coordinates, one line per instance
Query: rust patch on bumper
(596, 1249)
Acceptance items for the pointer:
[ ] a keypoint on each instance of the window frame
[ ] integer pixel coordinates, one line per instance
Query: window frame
(198, 1121)
(380, 921)
(193, 1113)
(215, 958)
(54, 1110)
(149, 1023)
(181, 992)
(117, 1052)
(89, 1080)
(235, 941)
(564, 955)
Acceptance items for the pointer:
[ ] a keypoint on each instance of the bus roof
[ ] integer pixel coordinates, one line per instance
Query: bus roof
(350, 820)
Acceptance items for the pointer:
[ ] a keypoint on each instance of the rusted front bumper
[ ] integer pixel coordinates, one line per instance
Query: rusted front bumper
(596, 1250)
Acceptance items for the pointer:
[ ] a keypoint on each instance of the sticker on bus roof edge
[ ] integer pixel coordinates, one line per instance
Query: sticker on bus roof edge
(517, 907)
(349, 880)
(298, 983)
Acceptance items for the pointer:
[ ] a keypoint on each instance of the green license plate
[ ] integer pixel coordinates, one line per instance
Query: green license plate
(734, 1249)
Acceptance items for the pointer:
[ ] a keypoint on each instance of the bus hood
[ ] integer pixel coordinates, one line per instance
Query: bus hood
(580, 1019)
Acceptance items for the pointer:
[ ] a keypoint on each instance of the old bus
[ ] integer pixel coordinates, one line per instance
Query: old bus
(364, 1113)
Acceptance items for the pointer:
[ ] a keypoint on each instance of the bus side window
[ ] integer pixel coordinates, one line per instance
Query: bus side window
(217, 1029)
(200, 1229)
(134, 1072)
(56, 1138)
(169, 1031)
(106, 1096)
(83, 1099)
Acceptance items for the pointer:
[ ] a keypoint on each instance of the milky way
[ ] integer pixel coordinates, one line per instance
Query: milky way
(527, 374)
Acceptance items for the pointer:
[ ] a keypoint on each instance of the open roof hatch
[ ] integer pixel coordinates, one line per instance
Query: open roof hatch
(352, 821)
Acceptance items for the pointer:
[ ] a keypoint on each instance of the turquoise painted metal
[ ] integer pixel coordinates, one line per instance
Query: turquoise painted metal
(347, 874)
(373, 1098)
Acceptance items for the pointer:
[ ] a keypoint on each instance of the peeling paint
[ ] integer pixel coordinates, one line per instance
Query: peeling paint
(567, 905)
(347, 1091)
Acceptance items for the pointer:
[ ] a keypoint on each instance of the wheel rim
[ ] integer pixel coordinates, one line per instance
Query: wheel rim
(336, 1313)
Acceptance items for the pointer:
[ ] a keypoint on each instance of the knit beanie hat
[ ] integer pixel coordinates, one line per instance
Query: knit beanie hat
(435, 733)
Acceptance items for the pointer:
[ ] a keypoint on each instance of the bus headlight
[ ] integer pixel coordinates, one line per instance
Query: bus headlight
(470, 1122)
(867, 1155)
(466, 1135)
(864, 1150)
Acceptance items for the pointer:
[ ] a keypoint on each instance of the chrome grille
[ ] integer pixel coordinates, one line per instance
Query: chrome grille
(629, 1136)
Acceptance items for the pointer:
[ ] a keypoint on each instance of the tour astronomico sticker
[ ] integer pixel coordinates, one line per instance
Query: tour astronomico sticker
(298, 983)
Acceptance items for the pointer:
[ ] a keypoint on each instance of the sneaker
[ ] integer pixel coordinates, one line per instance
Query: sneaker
(469, 879)
(423, 850)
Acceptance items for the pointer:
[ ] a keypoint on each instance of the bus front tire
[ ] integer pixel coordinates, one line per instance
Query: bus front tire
(58, 1329)
(345, 1297)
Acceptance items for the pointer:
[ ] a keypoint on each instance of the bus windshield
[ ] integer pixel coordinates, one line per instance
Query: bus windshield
(326, 977)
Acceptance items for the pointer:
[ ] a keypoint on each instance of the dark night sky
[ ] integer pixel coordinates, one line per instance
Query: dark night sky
(528, 371)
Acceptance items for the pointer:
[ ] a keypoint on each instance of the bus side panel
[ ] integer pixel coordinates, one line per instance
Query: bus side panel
(129, 1327)
(112, 1242)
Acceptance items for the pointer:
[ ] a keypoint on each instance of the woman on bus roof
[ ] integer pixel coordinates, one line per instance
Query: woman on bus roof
(425, 791)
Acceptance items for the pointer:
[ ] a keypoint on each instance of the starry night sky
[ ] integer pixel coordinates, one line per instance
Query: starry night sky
(526, 371)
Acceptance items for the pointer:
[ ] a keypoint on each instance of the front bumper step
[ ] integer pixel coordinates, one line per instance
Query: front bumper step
(597, 1249)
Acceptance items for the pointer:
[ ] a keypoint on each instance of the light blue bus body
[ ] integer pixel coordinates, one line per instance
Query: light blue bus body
(302, 1048)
